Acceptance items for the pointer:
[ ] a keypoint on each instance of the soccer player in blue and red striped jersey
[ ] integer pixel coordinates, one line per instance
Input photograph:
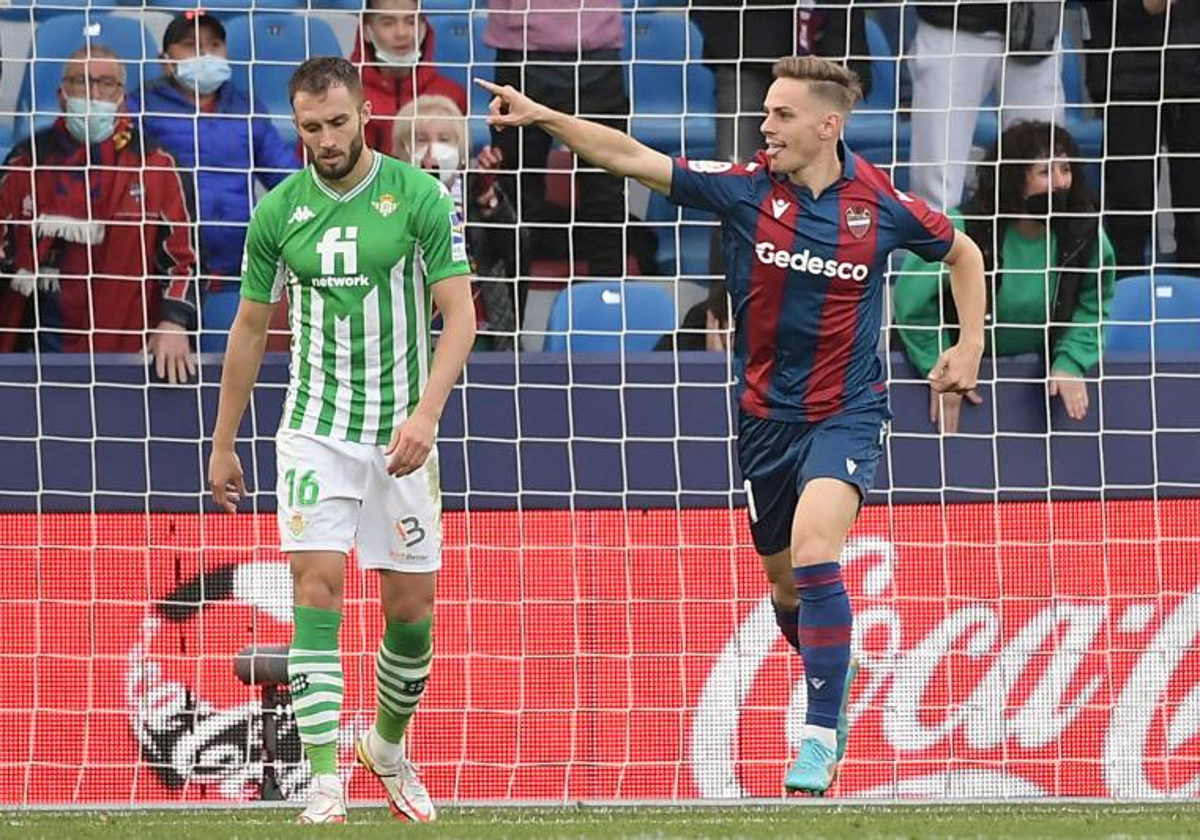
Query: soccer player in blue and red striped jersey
(807, 228)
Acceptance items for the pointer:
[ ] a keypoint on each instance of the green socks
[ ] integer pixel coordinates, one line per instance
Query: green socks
(315, 682)
(401, 670)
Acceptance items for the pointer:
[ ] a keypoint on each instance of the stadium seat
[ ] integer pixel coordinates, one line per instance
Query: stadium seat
(483, 65)
(665, 49)
(1161, 299)
(596, 316)
(448, 5)
(56, 38)
(46, 8)
(453, 47)
(277, 43)
(693, 237)
(1087, 131)
(226, 6)
(339, 5)
(875, 129)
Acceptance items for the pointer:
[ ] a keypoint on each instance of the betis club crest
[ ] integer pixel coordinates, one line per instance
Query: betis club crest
(386, 205)
(858, 220)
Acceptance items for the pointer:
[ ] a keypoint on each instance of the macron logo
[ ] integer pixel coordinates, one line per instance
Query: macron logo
(779, 207)
(301, 215)
(851, 467)
(816, 682)
(768, 254)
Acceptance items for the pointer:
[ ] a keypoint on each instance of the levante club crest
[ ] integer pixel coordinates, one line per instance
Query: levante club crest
(858, 220)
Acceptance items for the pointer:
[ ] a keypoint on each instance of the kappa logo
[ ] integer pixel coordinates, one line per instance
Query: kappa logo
(779, 206)
(301, 215)
(851, 466)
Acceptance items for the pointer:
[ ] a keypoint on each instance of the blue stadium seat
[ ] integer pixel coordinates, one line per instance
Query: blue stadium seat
(276, 43)
(1087, 131)
(452, 51)
(339, 5)
(875, 130)
(175, 6)
(55, 38)
(693, 238)
(596, 316)
(1154, 298)
(483, 65)
(46, 8)
(658, 44)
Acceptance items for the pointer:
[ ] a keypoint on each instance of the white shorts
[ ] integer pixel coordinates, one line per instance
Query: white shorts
(332, 494)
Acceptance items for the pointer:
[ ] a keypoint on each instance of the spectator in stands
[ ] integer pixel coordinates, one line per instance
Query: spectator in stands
(199, 116)
(431, 132)
(96, 235)
(705, 326)
(395, 48)
(1152, 101)
(744, 38)
(963, 52)
(1049, 264)
(568, 60)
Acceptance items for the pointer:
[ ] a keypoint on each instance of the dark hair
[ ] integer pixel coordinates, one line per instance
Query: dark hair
(318, 75)
(373, 5)
(998, 201)
(833, 82)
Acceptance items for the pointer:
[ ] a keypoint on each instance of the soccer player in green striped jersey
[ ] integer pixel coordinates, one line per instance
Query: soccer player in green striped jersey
(362, 244)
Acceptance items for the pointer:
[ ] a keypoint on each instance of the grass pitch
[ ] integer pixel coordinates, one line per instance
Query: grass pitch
(810, 822)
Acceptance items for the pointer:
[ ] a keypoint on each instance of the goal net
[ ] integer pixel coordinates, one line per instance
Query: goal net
(1027, 591)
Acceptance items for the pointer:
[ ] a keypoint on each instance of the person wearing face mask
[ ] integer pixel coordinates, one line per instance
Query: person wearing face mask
(96, 242)
(197, 114)
(1050, 269)
(395, 50)
(430, 132)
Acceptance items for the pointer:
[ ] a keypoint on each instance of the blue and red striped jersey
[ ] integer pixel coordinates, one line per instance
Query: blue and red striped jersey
(806, 277)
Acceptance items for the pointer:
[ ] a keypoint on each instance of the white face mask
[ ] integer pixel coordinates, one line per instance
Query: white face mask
(445, 156)
(408, 59)
(90, 121)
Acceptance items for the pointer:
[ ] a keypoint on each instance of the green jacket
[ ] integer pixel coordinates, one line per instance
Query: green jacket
(1020, 311)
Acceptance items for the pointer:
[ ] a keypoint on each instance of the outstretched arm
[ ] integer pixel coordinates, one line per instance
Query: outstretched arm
(605, 147)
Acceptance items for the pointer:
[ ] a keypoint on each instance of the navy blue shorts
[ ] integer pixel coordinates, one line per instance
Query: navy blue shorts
(778, 458)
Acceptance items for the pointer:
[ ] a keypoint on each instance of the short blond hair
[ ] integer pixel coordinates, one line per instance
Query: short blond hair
(404, 132)
(833, 82)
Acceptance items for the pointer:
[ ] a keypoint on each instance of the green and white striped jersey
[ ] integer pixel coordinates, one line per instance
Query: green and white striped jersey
(357, 268)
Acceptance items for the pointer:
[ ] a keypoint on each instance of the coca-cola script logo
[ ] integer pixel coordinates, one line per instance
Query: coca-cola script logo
(969, 694)
(185, 737)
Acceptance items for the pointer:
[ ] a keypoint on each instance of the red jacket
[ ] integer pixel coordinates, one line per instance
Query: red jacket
(125, 263)
(388, 94)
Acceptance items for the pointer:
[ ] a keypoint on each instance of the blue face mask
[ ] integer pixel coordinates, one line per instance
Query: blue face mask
(204, 73)
(91, 121)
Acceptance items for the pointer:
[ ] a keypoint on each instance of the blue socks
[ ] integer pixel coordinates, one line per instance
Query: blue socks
(824, 639)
